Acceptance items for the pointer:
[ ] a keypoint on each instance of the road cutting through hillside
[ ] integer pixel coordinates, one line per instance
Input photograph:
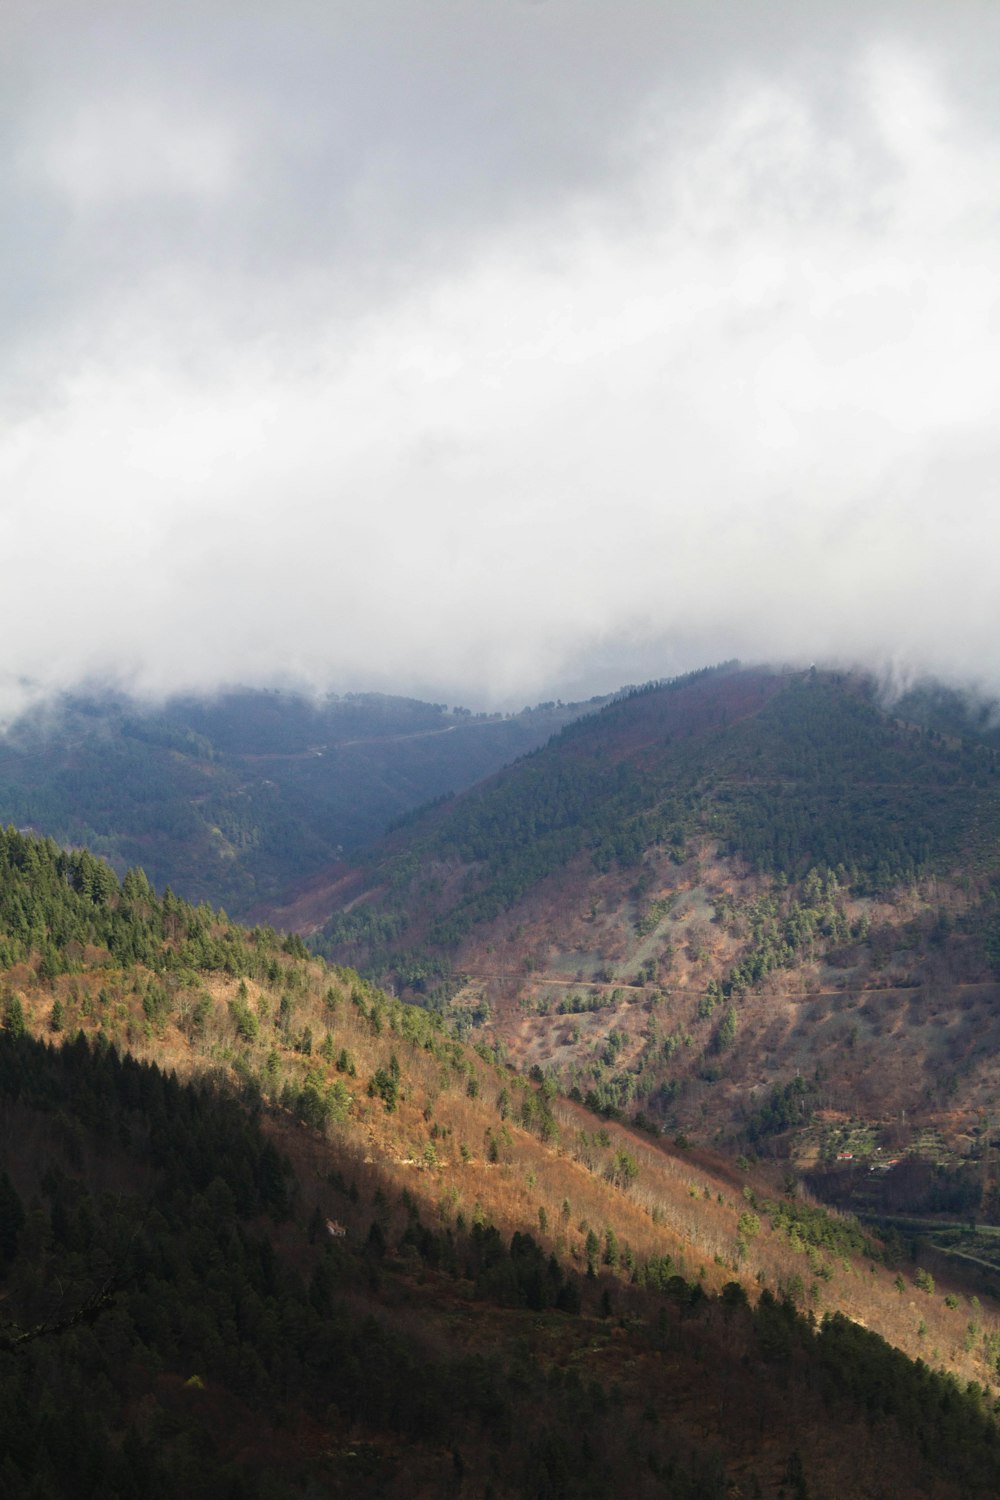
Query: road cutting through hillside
(665, 992)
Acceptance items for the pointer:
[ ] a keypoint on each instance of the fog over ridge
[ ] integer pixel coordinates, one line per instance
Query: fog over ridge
(497, 353)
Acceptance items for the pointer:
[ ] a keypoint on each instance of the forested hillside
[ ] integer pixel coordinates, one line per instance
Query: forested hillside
(788, 774)
(707, 890)
(240, 798)
(302, 1241)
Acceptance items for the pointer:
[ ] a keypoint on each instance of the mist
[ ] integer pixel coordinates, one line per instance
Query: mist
(496, 353)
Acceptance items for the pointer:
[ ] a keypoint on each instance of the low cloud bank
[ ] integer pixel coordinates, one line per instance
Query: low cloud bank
(416, 382)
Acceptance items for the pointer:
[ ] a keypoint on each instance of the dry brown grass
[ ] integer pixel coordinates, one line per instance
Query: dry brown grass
(434, 1148)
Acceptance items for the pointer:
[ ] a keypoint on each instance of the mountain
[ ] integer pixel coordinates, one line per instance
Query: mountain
(267, 1232)
(752, 906)
(238, 798)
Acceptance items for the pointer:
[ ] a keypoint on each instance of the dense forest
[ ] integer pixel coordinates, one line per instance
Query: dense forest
(816, 777)
(217, 1281)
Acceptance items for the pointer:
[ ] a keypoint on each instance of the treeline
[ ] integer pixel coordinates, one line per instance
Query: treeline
(55, 904)
(608, 721)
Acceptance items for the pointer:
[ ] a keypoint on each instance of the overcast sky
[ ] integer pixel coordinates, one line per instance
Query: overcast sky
(494, 350)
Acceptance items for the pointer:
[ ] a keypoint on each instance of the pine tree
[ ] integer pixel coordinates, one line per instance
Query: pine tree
(13, 1014)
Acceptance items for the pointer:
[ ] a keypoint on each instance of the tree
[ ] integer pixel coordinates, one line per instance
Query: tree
(725, 1033)
(593, 1251)
(384, 1085)
(247, 1025)
(13, 1014)
(623, 1170)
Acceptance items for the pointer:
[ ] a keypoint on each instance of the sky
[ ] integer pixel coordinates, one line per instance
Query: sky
(496, 350)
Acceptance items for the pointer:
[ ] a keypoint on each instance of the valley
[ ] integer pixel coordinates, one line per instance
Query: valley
(237, 797)
(666, 1093)
(500, 751)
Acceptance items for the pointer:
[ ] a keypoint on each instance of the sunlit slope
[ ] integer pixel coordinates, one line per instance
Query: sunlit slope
(509, 1260)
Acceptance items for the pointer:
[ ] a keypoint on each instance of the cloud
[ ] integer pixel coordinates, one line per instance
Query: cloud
(116, 152)
(500, 351)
